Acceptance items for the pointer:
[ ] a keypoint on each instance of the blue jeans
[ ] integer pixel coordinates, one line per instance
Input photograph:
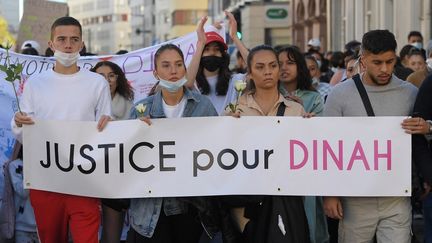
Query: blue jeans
(427, 215)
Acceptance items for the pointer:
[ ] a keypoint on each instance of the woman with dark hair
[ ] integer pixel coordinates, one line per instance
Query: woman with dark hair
(114, 210)
(211, 72)
(122, 94)
(268, 219)
(168, 220)
(322, 87)
(296, 81)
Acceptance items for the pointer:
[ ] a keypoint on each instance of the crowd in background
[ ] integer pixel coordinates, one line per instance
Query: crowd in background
(281, 81)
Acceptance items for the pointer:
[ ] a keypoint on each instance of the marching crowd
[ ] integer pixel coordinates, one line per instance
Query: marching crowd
(367, 79)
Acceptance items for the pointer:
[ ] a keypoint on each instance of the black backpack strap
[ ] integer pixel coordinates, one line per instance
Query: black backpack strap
(281, 109)
(363, 94)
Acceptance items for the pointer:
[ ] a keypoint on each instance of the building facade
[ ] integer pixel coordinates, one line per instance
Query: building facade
(259, 21)
(350, 19)
(309, 21)
(10, 11)
(106, 24)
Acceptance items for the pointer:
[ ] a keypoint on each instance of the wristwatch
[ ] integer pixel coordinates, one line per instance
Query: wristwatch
(430, 126)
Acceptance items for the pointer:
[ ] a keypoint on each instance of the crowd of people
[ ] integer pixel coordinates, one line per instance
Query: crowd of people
(367, 79)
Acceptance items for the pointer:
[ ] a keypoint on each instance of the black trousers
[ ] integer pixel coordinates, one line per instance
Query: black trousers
(180, 228)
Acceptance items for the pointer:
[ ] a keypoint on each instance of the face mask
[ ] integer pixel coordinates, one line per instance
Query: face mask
(319, 64)
(212, 63)
(315, 81)
(172, 86)
(417, 45)
(429, 62)
(66, 59)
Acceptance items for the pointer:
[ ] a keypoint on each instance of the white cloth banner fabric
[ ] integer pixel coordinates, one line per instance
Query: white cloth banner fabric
(356, 156)
(137, 65)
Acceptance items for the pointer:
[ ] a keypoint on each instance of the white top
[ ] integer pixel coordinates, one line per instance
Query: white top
(219, 101)
(82, 96)
(174, 111)
(120, 107)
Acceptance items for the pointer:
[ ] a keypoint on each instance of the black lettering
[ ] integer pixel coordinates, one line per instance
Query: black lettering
(255, 164)
(48, 163)
(163, 156)
(88, 157)
(121, 158)
(56, 154)
(34, 67)
(267, 154)
(106, 148)
(131, 161)
(197, 166)
(227, 167)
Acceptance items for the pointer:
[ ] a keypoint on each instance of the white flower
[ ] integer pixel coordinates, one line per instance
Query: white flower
(240, 85)
(140, 108)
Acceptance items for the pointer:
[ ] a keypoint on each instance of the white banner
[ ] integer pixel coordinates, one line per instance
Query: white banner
(220, 156)
(137, 65)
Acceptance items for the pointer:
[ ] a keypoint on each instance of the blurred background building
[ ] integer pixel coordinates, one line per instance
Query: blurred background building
(111, 25)
(106, 24)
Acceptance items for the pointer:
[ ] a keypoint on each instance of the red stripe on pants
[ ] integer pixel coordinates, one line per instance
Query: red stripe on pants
(54, 212)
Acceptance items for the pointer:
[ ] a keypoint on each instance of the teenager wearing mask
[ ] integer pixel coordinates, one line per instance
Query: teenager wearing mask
(167, 219)
(66, 93)
(211, 72)
(114, 210)
(322, 87)
(251, 212)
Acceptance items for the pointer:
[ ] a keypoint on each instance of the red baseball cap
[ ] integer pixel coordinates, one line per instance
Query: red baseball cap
(213, 36)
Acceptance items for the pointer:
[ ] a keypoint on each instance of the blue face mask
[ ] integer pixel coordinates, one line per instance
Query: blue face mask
(172, 86)
(417, 45)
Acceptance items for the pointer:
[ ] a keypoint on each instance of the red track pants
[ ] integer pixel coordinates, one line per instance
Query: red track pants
(54, 212)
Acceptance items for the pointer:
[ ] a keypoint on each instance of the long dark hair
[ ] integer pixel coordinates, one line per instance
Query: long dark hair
(224, 75)
(304, 80)
(123, 87)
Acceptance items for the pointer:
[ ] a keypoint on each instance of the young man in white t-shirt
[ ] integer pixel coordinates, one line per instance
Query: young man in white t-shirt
(65, 93)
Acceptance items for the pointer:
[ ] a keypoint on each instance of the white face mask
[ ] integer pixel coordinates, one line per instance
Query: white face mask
(172, 86)
(319, 64)
(429, 62)
(66, 59)
(315, 81)
(417, 45)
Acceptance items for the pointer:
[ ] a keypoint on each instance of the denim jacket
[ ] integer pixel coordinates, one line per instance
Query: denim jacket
(144, 212)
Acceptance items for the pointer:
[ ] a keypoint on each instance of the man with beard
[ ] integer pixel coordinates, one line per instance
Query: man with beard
(387, 218)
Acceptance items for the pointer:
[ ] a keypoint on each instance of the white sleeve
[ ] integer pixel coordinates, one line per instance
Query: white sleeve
(103, 106)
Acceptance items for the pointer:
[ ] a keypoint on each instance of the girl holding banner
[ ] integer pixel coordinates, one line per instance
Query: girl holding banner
(211, 72)
(265, 219)
(114, 210)
(168, 219)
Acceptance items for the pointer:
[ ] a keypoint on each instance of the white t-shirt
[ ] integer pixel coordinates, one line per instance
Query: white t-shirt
(82, 96)
(174, 111)
(221, 101)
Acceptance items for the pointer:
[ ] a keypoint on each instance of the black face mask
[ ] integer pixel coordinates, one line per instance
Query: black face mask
(212, 63)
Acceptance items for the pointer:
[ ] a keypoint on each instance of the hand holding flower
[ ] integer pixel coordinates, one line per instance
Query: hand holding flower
(239, 86)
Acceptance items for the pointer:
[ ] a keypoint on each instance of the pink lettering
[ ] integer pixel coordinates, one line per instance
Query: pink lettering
(387, 155)
(358, 154)
(293, 166)
(328, 150)
(315, 154)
